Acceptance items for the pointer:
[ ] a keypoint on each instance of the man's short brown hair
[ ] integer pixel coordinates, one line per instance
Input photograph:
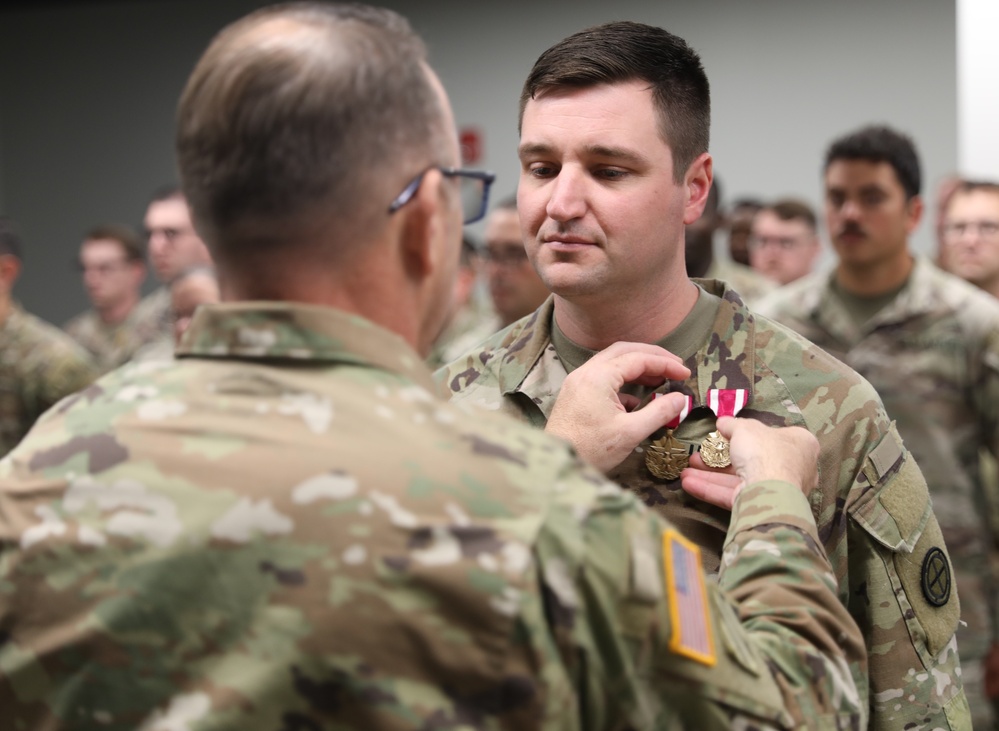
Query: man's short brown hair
(793, 209)
(625, 51)
(974, 186)
(300, 114)
(128, 237)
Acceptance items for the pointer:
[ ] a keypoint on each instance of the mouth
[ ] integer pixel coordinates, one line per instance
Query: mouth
(567, 243)
(851, 235)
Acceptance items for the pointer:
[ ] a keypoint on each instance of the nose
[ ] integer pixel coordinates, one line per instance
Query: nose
(568, 197)
(850, 210)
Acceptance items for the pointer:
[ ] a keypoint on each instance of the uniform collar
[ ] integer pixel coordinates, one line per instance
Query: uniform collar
(726, 358)
(300, 333)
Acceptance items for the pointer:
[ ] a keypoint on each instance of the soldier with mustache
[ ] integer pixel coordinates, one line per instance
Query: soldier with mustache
(929, 344)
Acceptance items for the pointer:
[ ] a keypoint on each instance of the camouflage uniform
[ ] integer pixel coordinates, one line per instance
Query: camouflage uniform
(871, 505)
(39, 365)
(157, 303)
(287, 530)
(933, 356)
(469, 327)
(749, 283)
(112, 345)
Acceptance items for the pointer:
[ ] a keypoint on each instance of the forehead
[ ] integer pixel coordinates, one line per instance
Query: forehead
(770, 220)
(974, 202)
(171, 213)
(503, 225)
(856, 174)
(620, 115)
(101, 249)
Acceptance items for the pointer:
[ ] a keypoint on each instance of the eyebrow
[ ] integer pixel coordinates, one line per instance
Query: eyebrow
(613, 153)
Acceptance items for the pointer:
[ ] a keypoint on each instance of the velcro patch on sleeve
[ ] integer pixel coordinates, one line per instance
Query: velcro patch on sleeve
(692, 635)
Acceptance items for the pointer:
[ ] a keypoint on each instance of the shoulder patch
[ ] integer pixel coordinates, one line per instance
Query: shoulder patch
(692, 635)
(936, 577)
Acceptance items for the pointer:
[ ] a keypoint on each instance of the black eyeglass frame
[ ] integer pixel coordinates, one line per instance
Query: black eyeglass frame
(485, 176)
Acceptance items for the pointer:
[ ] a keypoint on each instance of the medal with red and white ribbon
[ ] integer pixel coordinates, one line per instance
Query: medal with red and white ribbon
(724, 402)
(668, 456)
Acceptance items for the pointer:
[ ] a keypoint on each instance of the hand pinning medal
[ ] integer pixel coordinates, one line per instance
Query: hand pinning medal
(668, 457)
(724, 402)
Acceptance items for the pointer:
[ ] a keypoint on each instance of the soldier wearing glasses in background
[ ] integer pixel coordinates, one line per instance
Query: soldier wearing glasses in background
(514, 286)
(929, 344)
(784, 243)
(39, 364)
(112, 262)
(174, 247)
(287, 529)
(515, 289)
(970, 234)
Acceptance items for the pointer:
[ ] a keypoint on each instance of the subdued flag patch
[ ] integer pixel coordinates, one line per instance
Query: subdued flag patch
(688, 600)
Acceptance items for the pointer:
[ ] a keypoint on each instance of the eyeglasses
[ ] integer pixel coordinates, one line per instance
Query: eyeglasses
(511, 256)
(474, 191)
(784, 243)
(103, 268)
(985, 229)
(170, 234)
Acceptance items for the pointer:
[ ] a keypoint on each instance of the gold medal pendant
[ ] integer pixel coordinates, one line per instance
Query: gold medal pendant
(714, 450)
(667, 457)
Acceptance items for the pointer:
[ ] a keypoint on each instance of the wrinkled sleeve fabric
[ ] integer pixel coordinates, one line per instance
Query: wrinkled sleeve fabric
(616, 615)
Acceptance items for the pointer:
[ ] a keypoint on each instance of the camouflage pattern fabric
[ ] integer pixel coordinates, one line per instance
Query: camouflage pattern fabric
(286, 530)
(933, 356)
(157, 304)
(112, 345)
(871, 505)
(39, 364)
(470, 327)
(746, 281)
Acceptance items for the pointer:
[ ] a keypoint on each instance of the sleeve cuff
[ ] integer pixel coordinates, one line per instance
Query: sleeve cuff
(769, 502)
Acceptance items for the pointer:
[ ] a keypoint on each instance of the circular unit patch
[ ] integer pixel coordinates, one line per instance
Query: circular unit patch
(936, 577)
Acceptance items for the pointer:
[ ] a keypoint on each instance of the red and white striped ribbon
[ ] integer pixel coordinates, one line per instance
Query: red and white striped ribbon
(727, 401)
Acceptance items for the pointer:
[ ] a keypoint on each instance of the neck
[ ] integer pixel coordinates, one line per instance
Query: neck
(373, 297)
(872, 279)
(639, 320)
(990, 285)
(117, 312)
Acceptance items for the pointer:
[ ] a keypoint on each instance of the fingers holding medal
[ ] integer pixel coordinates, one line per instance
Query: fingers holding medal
(724, 402)
(667, 457)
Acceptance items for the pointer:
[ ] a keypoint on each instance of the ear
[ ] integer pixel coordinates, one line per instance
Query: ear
(697, 182)
(10, 269)
(423, 226)
(914, 213)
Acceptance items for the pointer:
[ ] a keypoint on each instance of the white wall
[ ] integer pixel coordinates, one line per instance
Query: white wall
(978, 91)
(87, 95)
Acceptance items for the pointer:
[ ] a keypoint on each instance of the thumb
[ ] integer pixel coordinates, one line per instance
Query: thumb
(656, 414)
(725, 426)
